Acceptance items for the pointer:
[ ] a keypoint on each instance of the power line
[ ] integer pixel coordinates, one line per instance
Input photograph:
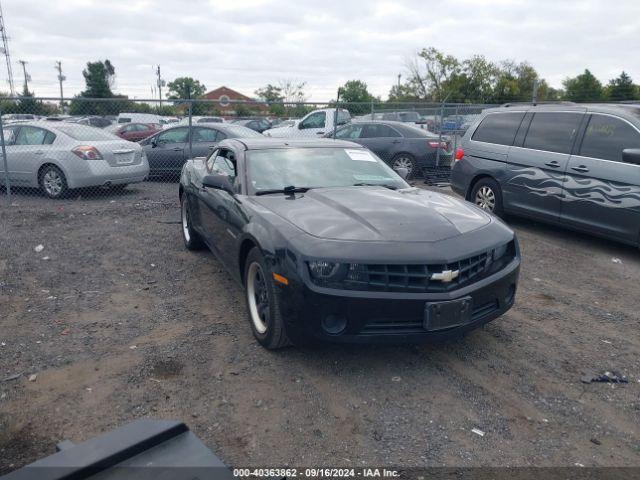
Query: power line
(5, 52)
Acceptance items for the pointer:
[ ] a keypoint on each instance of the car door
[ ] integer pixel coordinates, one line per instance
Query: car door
(315, 125)
(10, 133)
(203, 142)
(165, 151)
(27, 153)
(218, 208)
(537, 163)
(601, 190)
(351, 133)
(381, 139)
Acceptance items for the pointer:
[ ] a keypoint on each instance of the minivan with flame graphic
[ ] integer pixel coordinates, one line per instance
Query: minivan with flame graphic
(575, 165)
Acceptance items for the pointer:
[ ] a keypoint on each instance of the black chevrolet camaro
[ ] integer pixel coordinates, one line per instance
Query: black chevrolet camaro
(330, 243)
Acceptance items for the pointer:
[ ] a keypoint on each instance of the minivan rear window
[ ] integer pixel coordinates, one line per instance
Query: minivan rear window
(498, 128)
(552, 131)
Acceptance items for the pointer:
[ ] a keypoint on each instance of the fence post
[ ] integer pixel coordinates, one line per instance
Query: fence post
(372, 111)
(5, 162)
(190, 134)
(440, 135)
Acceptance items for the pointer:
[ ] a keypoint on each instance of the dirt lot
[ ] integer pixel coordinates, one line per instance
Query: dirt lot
(118, 321)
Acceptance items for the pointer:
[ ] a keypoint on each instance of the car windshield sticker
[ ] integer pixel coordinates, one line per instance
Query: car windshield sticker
(360, 155)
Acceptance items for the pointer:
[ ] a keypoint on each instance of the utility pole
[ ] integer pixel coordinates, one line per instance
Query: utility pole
(160, 82)
(399, 77)
(5, 51)
(61, 78)
(535, 91)
(26, 75)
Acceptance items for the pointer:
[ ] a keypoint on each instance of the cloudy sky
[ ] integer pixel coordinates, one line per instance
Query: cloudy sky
(245, 44)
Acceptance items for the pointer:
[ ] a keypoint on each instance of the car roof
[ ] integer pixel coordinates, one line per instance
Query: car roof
(268, 143)
(629, 110)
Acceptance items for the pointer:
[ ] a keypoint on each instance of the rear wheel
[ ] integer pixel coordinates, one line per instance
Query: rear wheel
(192, 239)
(263, 303)
(404, 160)
(486, 194)
(52, 181)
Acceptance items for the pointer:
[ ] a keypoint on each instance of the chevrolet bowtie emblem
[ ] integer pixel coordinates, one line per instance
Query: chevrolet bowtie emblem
(446, 275)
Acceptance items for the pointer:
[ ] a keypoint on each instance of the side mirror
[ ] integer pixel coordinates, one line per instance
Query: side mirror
(631, 155)
(403, 172)
(218, 182)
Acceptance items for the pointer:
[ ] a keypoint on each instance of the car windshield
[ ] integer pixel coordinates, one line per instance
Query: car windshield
(275, 169)
(238, 131)
(84, 132)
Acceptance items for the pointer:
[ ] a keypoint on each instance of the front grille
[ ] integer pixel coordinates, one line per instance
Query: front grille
(406, 325)
(414, 278)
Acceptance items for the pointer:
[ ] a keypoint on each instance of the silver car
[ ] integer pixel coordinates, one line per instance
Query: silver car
(63, 156)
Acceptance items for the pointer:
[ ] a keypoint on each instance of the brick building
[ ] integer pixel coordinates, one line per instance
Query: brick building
(225, 94)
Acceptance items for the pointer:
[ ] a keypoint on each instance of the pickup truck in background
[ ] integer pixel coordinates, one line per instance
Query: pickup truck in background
(314, 124)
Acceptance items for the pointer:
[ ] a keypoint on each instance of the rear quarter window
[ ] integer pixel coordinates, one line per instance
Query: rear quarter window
(498, 128)
(606, 136)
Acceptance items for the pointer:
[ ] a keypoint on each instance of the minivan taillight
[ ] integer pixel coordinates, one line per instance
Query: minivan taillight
(87, 152)
(459, 154)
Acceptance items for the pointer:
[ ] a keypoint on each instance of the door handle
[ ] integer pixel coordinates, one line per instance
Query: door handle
(552, 164)
(177, 149)
(319, 133)
(396, 141)
(580, 168)
(38, 152)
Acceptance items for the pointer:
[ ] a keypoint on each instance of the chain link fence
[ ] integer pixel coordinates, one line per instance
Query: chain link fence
(89, 147)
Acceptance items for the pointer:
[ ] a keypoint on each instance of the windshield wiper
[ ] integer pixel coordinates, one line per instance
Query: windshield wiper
(289, 190)
(390, 187)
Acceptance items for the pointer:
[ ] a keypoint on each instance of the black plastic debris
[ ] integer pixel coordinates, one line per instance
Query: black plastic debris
(142, 450)
(606, 377)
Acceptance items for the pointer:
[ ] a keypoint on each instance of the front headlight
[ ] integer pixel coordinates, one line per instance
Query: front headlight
(500, 251)
(324, 270)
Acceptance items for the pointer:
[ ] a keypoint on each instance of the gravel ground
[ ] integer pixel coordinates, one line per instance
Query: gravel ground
(114, 320)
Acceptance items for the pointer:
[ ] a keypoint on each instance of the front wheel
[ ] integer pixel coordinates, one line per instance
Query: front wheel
(53, 183)
(192, 239)
(404, 160)
(487, 195)
(263, 303)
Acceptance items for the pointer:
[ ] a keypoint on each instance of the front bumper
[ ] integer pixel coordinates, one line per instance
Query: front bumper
(374, 317)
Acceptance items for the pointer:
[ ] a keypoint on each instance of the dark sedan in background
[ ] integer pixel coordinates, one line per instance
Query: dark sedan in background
(168, 149)
(330, 243)
(399, 145)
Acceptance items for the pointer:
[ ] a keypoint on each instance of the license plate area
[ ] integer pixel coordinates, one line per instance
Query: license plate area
(124, 159)
(448, 314)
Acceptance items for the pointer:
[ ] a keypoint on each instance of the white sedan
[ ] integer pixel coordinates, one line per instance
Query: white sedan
(63, 156)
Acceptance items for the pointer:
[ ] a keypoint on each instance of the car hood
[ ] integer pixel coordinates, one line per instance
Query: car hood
(376, 214)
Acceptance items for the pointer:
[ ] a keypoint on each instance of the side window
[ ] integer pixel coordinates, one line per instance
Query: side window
(142, 127)
(379, 131)
(10, 135)
(174, 135)
(129, 128)
(352, 131)
(211, 158)
(315, 120)
(607, 136)
(31, 136)
(498, 128)
(221, 136)
(223, 164)
(205, 135)
(49, 138)
(552, 132)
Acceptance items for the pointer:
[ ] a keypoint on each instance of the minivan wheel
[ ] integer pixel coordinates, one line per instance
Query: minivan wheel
(53, 183)
(263, 303)
(192, 240)
(404, 160)
(487, 195)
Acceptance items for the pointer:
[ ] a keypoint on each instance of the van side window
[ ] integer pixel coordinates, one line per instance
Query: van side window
(607, 136)
(498, 128)
(552, 131)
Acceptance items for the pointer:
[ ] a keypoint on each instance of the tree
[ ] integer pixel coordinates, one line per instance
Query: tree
(293, 96)
(621, 88)
(273, 95)
(583, 88)
(185, 88)
(99, 77)
(355, 92)
(429, 71)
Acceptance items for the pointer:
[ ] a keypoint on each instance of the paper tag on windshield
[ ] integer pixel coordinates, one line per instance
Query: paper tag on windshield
(360, 155)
